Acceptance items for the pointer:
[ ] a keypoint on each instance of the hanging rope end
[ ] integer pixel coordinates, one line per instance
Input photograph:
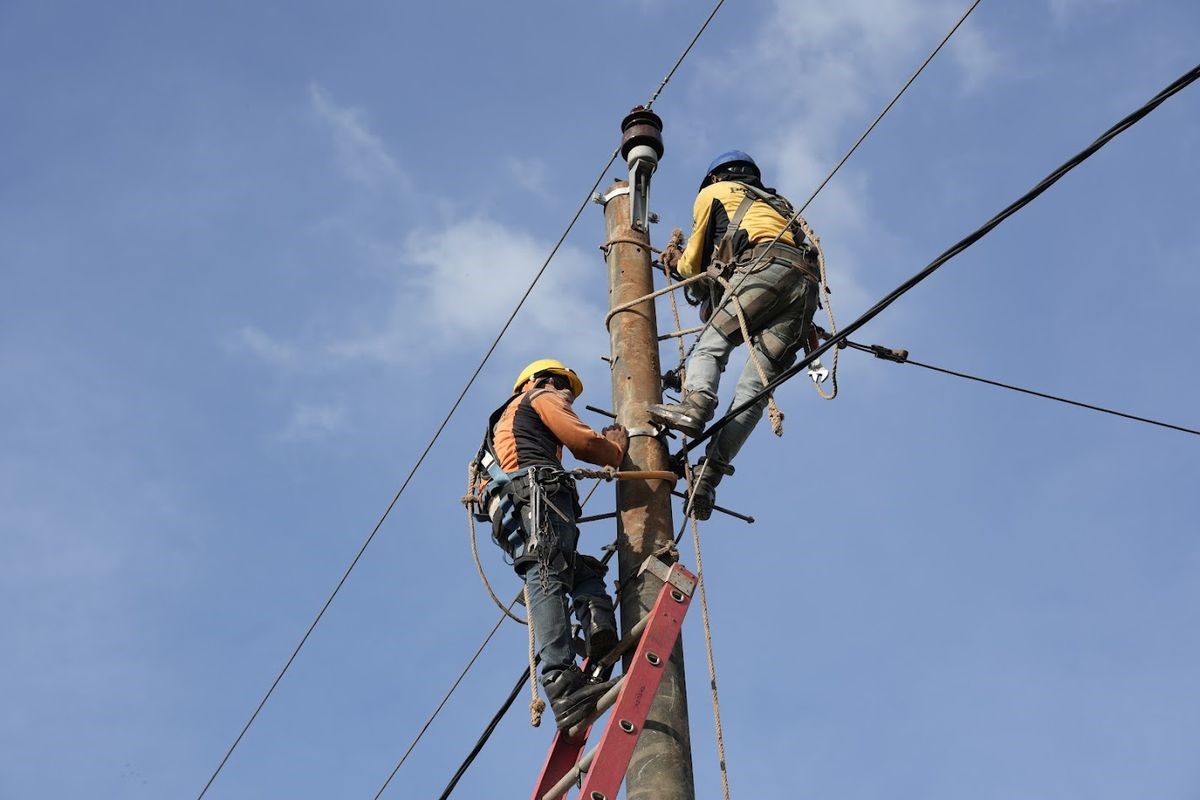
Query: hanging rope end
(535, 712)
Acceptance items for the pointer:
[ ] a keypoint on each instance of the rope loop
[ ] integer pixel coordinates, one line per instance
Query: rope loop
(773, 412)
(815, 241)
(604, 248)
(472, 476)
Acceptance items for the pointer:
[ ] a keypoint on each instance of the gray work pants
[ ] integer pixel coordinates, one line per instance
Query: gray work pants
(780, 302)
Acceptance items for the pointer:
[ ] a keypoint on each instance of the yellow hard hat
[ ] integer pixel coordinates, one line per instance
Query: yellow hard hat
(551, 366)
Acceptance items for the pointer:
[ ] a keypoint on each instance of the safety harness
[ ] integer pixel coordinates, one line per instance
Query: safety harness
(498, 499)
(725, 259)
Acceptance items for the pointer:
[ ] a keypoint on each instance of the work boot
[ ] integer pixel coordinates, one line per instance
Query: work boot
(688, 417)
(572, 696)
(602, 629)
(705, 477)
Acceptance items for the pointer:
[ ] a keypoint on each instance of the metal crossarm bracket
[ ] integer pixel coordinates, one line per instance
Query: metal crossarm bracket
(600, 771)
(681, 579)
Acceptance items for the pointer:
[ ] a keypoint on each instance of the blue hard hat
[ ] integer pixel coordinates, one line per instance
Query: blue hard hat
(732, 157)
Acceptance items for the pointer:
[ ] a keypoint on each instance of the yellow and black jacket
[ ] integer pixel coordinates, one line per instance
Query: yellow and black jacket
(715, 206)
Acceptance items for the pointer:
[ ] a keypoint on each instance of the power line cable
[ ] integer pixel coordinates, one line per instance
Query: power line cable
(487, 734)
(441, 427)
(459, 680)
(446, 699)
(1129, 121)
(408, 479)
(684, 54)
(827, 179)
(1046, 183)
(888, 107)
(895, 99)
(884, 354)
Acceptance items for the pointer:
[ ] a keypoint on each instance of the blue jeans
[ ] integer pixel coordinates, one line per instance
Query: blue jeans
(777, 329)
(551, 578)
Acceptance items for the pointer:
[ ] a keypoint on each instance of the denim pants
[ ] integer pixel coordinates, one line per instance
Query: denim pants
(552, 579)
(777, 333)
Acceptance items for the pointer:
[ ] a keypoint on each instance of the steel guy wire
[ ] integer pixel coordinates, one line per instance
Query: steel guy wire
(906, 360)
(1120, 127)
(441, 427)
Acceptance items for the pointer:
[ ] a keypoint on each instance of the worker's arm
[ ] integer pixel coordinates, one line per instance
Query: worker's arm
(692, 261)
(584, 443)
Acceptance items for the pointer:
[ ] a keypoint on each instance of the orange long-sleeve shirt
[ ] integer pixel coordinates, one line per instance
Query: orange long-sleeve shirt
(535, 427)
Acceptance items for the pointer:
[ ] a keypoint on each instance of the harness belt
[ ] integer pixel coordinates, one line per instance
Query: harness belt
(801, 258)
(503, 498)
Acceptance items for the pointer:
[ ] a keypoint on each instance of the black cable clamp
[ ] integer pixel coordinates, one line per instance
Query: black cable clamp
(888, 354)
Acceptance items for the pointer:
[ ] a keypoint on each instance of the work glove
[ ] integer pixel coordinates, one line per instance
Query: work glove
(672, 253)
(617, 435)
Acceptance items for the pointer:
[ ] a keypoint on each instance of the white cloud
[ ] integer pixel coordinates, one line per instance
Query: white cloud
(309, 422)
(978, 60)
(459, 284)
(807, 83)
(265, 347)
(529, 173)
(361, 154)
(447, 287)
(824, 65)
(1065, 10)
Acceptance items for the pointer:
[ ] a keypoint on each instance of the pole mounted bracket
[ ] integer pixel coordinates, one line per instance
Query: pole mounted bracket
(602, 199)
(681, 579)
(641, 147)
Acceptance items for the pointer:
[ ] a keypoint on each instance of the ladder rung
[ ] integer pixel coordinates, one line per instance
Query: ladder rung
(625, 645)
(601, 770)
(572, 776)
(606, 701)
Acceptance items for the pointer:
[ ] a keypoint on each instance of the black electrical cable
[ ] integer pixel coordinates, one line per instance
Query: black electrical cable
(609, 552)
(445, 699)
(853, 148)
(537, 658)
(1129, 121)
(1120, 127)
(454, 408)
(876, 350)
(483, 738)
(437, 434)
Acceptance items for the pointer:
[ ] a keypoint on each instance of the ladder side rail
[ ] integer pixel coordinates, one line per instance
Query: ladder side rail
(638, 690)
(562, 756)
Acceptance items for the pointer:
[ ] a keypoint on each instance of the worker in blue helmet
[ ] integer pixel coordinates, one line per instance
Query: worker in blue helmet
(742, 232)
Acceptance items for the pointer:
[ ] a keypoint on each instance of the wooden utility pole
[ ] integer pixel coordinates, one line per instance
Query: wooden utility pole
(661, 766)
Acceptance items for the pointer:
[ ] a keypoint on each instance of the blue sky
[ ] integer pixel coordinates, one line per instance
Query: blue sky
(250, 253)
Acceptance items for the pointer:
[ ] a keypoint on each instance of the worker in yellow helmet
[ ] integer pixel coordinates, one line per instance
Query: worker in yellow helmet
(536, 527)
(745, 233)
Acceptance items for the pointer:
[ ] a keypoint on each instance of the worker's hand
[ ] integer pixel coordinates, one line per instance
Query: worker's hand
(617, 434)
(671, 253)
(670, 259)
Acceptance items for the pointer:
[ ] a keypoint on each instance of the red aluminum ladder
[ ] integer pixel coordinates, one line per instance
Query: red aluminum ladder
(601, 770)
